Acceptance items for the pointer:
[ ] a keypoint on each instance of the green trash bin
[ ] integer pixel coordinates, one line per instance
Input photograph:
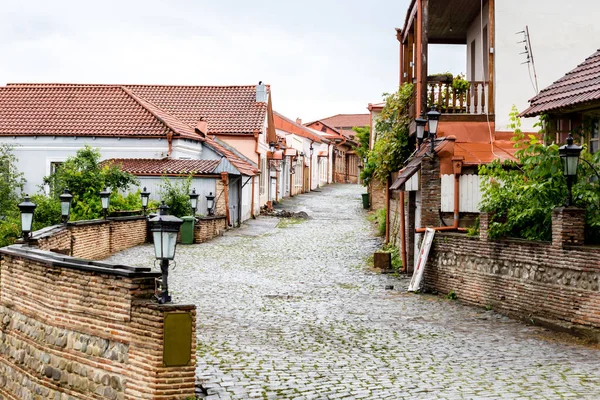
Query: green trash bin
(365, 199)
(187, 230)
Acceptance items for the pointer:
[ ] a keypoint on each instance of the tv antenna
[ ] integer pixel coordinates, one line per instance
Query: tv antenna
(530, 60)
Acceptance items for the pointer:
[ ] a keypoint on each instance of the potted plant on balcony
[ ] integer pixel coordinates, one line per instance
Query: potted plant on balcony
(460, 87)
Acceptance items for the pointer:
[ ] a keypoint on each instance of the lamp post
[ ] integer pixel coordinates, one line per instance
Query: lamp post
(210, 204)
(194, 201)
(272, 147)
(27, 208)
(433, 117)
(145, 197)
(65, 205)
(164, 229)
(105, 199)
(420, 129)
(569, 155)
(311, 150)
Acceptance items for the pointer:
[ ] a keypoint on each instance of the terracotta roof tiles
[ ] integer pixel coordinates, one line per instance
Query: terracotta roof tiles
(581, 85)
(157, 167)
(347, 120)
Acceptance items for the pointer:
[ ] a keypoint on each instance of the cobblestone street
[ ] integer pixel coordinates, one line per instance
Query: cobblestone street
(288, 309)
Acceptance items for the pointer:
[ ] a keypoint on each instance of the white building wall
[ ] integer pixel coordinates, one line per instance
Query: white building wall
(203, 187)
(36, 154)
(247, 197)
(475, 33)
(563, 34)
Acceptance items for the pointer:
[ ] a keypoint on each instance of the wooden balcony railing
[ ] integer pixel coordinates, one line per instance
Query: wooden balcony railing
(450, 101)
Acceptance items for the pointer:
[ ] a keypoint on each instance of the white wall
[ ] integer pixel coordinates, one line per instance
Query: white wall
(247, 197)
(475, 33)
(562, 33)
(203, 187)
(36, 153)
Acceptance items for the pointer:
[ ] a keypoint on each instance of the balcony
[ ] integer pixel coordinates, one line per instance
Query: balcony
(450, 100)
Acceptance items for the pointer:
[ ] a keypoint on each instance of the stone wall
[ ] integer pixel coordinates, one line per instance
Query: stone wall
(220, 199)
(93, 240)
(536, 281)
(85, 330)
(209, 227)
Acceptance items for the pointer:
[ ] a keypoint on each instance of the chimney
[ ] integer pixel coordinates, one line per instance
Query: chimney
(299, 121)
(202, 126)
(261, 93)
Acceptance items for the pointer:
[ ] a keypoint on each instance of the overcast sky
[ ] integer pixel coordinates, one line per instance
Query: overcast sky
(321, 57)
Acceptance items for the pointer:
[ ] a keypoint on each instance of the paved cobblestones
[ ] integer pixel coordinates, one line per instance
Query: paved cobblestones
(287, 310)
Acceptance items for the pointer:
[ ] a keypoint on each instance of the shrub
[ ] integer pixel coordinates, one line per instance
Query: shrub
(175, 194)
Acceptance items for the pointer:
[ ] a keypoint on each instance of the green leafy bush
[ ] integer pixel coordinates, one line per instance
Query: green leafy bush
(47, 212)
(520, 196)
(11, 181)
(10, 230)
(175, 194)
(391, 147)
(86, 177)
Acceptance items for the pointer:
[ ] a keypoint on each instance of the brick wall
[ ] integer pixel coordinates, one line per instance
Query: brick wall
(431, 191)
(377, 195)
(221, 205)
(537, 281)
(209, 227)
(85, 331)
(93, 240)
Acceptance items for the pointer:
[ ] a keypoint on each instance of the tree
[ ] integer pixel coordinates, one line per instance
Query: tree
(520, 196)
(11, 190)
(85, 176)
(176, 194)
(11, 182)
(391, 148)
(363, 134)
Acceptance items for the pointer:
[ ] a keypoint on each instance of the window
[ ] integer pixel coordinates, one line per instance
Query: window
(594, 136)
(55, 166)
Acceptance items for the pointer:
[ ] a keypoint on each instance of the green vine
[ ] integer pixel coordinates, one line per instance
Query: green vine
(391, 148)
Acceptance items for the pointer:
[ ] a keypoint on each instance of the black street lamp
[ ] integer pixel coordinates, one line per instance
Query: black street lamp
(421, 122)
(164, 228)
(65, 205)
(105, 199)
(272, 147)
(194, 201)
(569, 155)
(27, 208)
(312, 150)
(433, 117)
(145, 197)
(210, 204)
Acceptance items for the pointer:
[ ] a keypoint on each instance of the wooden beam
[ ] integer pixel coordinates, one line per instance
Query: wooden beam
(410, 57)
(491, 54)
(410, 21)
(424, 45)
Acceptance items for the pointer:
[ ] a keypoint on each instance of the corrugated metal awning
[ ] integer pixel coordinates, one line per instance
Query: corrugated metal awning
(412, 168)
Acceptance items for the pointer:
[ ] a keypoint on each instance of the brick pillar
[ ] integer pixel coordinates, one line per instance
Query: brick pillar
(568, 226)
(431, 192)
(484, 225)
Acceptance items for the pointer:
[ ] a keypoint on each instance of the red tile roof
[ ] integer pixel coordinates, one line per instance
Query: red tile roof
(226, 109)
(157, 167)
(347, 120)
(77, 110)
(578, 86)
(133, 111)
(287, 125)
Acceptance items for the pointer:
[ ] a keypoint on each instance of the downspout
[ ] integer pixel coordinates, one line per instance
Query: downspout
(291, 178)
(252, 206)
(403, 227)
(388, 183)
